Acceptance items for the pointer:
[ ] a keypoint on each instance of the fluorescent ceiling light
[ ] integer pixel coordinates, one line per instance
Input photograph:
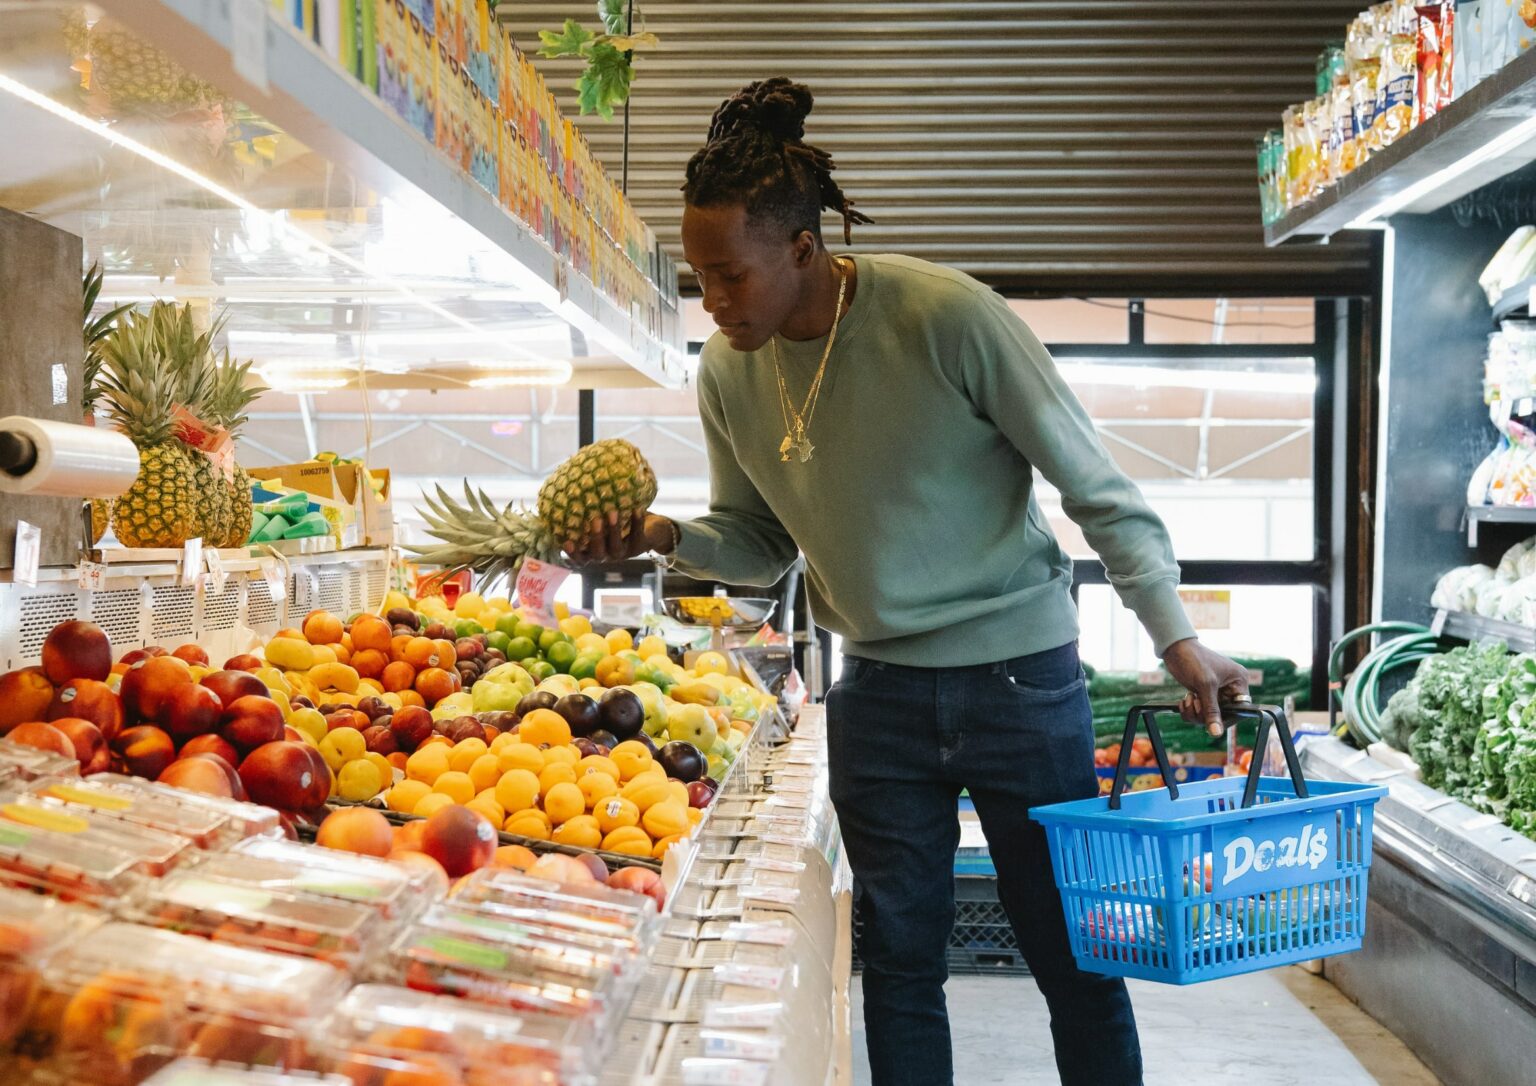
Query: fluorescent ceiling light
(516, 380)
(1079, 373)
(289, 382)
(1500, 145)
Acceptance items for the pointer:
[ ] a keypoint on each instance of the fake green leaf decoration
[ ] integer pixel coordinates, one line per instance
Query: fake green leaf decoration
(605, 82)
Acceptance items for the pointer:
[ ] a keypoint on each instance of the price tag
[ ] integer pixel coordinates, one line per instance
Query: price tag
(248, 40)
(794, 801)
(29, 550)
(742, 1046)
(93, 576)
(562, 279)
(742, 1015)
(766, 978)
(783, 839)
(773, 895)
(748, 931)
(277, 584)
(768, 863)
(537, 583)
(216, 568)
(715, 1072)
(192, 560)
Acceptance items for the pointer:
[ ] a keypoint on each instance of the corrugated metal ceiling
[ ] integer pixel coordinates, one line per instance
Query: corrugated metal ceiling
(1094, 146)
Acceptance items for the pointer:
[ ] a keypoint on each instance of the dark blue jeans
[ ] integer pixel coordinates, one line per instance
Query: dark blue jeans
(902, 744)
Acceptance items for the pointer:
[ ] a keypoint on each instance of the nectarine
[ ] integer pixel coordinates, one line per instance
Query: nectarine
(146, 750)
(231, 685)
(192, 653)
(90, 745)
(89, 699)
(189, 711)
(251, 722)
(225, 766)
(459, 839)
(24, 695)
(76, 650)
(244, 662)
(356, 829)
(420, 861)
(197, 775)
(411, 726)
(147, 684)
(210, 744)
(281, 775)
(36, 733)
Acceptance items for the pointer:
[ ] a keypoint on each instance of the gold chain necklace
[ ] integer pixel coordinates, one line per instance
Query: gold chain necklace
(795, 422)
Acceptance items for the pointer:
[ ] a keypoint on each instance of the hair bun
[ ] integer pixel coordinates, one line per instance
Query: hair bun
(777, 107)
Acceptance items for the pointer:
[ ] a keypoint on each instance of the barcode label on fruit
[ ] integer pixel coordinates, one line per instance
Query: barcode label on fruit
(742, 1015)
(93, 576)
(746, 931)
(765, 978)
(537, 583)
(717, 1072)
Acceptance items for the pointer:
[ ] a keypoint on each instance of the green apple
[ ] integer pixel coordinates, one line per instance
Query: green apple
(655, 704)
(490, 697)
(508, 673)
(692, 724)
(507, 624)
(718, 767)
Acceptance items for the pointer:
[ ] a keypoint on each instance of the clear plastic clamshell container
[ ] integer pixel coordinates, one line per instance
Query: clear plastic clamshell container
(203, 1073)
(224, 911)
(125, 799)
(385, 1035)
(236, 820)
(393, 891)
(32, 928)
(77, 856)
(118, 1006)
(21, 762)
(593, 910)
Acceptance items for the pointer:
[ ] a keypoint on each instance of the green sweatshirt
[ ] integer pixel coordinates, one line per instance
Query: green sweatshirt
(923, 541)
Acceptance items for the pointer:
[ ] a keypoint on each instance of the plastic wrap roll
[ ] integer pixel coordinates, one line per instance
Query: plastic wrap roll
(62, 459)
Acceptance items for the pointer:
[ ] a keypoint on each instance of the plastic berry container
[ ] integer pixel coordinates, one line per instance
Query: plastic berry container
(203, 1073)
(22, 762)
(119, 1005)
(393, 891)
(242, 914)
(123, 799)
(238, 820)
(78, 858)
(32, 929)
(384, 1035)
(593, 910)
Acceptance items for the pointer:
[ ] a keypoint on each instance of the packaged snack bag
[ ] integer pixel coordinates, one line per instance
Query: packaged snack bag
(1397, 83)
(1436, 57)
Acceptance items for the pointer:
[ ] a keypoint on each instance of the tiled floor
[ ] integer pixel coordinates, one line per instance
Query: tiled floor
(1278, 1028)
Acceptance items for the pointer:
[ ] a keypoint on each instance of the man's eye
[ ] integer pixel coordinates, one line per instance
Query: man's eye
(731, 278)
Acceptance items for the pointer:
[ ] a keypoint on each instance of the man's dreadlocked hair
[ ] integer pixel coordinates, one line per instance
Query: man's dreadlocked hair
(756, 155)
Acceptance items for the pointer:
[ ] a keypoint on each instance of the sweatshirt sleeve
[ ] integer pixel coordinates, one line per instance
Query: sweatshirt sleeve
(740, 540)
(1011, 377)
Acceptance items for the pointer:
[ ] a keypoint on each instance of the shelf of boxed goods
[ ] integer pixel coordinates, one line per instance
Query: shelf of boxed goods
(1487, 133)
(290, 82)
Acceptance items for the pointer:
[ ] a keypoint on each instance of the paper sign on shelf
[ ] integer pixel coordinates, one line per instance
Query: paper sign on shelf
(537, 583)
(192, 560)
(277, 584)
(29, 551)
(93, 576)
(1208, 609)
(216, 568)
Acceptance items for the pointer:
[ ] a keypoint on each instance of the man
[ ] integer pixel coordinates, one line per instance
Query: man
(884, 416)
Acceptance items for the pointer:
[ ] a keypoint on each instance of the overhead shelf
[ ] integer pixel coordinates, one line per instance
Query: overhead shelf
(1475, 628)
(329, 229)
(1485, 134)
(1496, 514)
(1515, 302)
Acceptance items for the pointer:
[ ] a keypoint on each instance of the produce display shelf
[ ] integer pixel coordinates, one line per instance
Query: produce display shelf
(1496, 514)
(1469, 627)
(1515, 303)
(1494, 114)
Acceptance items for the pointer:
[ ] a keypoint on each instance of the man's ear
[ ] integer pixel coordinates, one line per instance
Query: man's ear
(805, 246)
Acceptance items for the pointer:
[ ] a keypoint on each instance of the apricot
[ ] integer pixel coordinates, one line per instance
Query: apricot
(398, 677)
(434, 684)
(356, 829)
(370, 632)
(322, 628)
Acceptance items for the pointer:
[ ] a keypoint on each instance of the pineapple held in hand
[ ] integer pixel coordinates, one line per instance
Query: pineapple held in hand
(610, 476)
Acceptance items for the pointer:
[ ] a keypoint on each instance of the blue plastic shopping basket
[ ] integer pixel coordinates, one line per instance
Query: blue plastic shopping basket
(1217, 878)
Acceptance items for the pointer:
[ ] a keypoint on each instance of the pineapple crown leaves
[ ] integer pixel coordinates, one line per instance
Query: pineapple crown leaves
(134, 381)
(476, 535)
(233, 392)
(94, 331)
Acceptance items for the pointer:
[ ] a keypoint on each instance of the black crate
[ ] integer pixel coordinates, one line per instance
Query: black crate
(982, 943)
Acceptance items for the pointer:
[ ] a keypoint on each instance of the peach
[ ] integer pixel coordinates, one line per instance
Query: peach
(36, 733)
(282, 775)
(89, 699)
(90, 744)
(198, 775)
(192, 653)
(459, 839)
(370, 632)
(189, 711)
(434, 684)
(232, 684)
(147, 684)
(225, 766)
(420, 861)
(210, 744)
(145, 750)
(76, 650)
(356, 829)
(408, 836)
(244, 662)
(322, 628)
(251, 722)
(516, 856)
(412, 727)
(639, 880)
(380, 739)
(557, 867)
(24, 695)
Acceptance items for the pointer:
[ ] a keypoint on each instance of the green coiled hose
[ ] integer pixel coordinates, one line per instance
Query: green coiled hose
(1360, 695)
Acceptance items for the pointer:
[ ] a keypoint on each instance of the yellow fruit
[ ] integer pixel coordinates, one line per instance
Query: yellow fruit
(456, 786)
(580, 831)
(650, 646)
(556, 774)
(575, 626)
(695, 694)
(432, 803)
(666, 819)
(503, 741)
(428, 763)
(517, 790)
(499, 603)
(648, 793)
(520, 756)
(465, 751)
(470, 605)
(334, 677)
(616, 813)
(485, 804)
(695, 815)
(359, 780)
(485, 771)
(404, 796)
(592, 644)
(627, 841)
(386, 771)
(534, 824)
(273, 679)
(615, 671)
(392, 699)
(370, 687)
(395, 598)
(711, 663)
(563, 802)
(324, 654)
(589, 684)
(596, 787)
(679, 792)
(596, 763)
(566, 755)
(632, 758)
(619, 640)
(290, 654)
(664, 844)
(310, 722)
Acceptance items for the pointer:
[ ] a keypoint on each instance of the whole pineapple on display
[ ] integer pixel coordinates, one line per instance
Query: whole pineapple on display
(158, 510)
(609, 476)
(94, 331)
(232, 394)
(187, 354)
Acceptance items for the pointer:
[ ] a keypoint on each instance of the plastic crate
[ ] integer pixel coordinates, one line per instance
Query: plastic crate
(982, 942)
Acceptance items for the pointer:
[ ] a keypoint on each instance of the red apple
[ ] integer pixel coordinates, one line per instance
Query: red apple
(252, 721)
(89, 699)
(193, 654)
(24, 695)
(381, 740)
(145, 750)
(191, 710)
(459, 839)
(640, 880)
(282, 775)
(76, 650)
(244, 662)
(148, 683)
(225, 766)
(232, 685)
(197, 775)
(90, 745)
(36, 733)
(210, 744)
(412, 726)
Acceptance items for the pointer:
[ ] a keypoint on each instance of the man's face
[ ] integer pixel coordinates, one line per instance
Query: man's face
(751, 280)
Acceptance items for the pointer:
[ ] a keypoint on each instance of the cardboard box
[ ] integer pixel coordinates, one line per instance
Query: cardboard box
(378, 510)
(333, 487)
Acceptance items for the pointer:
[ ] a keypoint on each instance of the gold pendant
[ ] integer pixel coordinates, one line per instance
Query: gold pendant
(804, 448)
(784, 447)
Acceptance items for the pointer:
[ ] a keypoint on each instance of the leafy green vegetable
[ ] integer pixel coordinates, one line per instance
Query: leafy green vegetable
(605, 82)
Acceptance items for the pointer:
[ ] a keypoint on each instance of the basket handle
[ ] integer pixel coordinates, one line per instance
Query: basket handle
(1269, 716)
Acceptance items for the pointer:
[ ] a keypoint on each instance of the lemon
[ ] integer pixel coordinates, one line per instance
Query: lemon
(711, 663)
(358, 781)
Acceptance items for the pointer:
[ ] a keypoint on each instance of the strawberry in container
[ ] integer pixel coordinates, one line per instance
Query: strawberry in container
(394, 892)
(122, 1003)
(32, 928)
(80, 858)
(338, 932)
(386, 1036)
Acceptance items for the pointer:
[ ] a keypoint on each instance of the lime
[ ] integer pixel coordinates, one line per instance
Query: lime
(508, 624)
(585, 666)
(530, 630)
(562, 654)
(528, 663)
(550, 638)
(467, 627)
(520, 648)
(541, 671)
(499, 641)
